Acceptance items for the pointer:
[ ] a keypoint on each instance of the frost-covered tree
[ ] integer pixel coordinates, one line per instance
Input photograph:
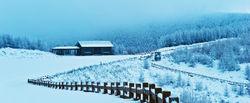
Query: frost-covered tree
(241, 90)
(141, 78)
(180, 82)
(165, 80)
(22, 43)
(247, 72)
(226, 92)
(248, 88)
(201, 59)
(198, 86)
(146, 64)
(189, 96)
(234, 88)
(228, 62)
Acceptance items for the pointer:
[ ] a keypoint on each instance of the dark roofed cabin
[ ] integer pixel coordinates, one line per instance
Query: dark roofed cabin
(86, 48)
(95, 47)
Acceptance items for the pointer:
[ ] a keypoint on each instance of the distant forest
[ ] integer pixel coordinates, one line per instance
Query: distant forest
(154, 36)
(21, 43)
(204, 29)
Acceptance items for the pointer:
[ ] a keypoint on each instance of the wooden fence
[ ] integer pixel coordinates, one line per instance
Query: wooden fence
(145, 92)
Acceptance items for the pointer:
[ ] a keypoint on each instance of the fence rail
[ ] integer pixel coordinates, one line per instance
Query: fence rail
(199, 75)
(145, 92)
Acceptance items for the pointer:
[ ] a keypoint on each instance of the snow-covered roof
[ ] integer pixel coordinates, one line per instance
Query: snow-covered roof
(66, 47)
(95, 43)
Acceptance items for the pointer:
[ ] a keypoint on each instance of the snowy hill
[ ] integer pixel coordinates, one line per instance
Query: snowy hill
(17, 65)
(23, 53)
(133, 71)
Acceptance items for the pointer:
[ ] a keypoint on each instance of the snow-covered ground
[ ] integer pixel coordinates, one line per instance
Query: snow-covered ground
(17, 65)
(236, 76)
(133, 71)
(22, 64)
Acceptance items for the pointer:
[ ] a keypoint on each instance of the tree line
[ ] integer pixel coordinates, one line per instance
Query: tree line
(21, 43)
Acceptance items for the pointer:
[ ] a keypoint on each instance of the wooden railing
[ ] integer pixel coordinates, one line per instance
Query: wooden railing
(144, 92)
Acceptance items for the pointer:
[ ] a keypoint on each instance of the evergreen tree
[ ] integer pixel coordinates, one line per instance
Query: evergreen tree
(228, 62)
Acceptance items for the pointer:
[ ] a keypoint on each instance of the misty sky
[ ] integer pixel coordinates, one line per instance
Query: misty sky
(74, 18)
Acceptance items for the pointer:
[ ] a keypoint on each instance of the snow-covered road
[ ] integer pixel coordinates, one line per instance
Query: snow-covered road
(16, 69)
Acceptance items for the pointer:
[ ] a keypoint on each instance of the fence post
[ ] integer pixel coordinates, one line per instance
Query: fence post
(112, 88)
(59, 85)
(56, 86)
(98, 87)
(124, 91)
(92, 86)
(118, 92)
(105, 91)
(71, 86)
(81, 86)
(151, 87)
(131, 93)
(157, 91)
(49, 84)
(87, 87)
(165, 94)
(67, 85)
(176, 99)
(137, 94)
(76, 87)
(62, 85)
(145, 95)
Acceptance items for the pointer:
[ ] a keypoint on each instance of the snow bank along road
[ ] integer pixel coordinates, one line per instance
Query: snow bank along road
(198, 75)
(16, 66)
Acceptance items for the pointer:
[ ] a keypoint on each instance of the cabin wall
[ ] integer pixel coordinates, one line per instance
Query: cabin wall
(65, 51)
(95, 51)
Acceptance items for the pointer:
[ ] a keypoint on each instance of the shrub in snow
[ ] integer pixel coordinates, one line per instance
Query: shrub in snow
(241, 90)
(146, 64)
(244, 56)
(181, 56)
(180, 82)
(247, 72)
(234, 88)
(228, 62)
(198, 86)
(248, 88)
(202, 59)
(141, 78)
(165, 80)
(189, 96)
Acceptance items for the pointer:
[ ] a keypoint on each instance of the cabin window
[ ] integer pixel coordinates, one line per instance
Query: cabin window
(87, 50)
(106, 50)
(72, 52)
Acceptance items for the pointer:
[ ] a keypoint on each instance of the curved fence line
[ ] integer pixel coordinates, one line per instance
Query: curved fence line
(145, 92)
(199, 75)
